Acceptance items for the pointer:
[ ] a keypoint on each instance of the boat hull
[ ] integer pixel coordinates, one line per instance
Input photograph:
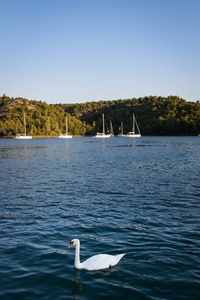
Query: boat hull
(133, 135)
(62, 136)
(103, 136)
(23, 137)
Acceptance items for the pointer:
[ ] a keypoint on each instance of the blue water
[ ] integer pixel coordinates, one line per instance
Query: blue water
(139, 196)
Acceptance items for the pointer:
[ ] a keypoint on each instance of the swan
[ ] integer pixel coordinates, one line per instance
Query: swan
(96, 262)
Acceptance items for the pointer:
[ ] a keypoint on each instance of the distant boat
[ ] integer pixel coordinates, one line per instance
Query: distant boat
(102, 134)
(66, 135)
(133, 134)
(121, 130)
(23, 136)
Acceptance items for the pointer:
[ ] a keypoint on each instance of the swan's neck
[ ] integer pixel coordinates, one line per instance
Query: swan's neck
(77, 256)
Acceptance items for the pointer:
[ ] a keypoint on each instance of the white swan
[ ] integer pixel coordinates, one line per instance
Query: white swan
(96, 262)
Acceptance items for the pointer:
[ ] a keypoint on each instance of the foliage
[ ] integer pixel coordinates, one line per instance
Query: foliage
(155, 116)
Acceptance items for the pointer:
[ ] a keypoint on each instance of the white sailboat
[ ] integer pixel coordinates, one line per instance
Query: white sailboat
(23, 136)
(133, 134)
(102, 134)
(66, 135)
(121, 130)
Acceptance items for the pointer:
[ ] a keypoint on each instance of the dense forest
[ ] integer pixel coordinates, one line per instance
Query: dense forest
(155, 116)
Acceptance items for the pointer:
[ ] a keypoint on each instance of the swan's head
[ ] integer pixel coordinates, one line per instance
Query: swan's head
(73, 243)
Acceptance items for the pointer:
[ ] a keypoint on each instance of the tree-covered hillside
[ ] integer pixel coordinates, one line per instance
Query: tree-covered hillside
(155, 116)
(41, 119)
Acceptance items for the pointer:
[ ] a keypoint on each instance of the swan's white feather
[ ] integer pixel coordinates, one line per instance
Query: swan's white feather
(101, 261)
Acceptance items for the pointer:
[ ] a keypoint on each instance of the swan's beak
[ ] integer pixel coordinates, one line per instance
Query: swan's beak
(70, 245)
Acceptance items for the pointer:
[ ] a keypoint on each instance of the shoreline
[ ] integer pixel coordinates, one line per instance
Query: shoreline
(75, 136)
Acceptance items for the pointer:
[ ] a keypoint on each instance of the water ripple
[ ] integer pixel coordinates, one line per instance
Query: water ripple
(140, 197)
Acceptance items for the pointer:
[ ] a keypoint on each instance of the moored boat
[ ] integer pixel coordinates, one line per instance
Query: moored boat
(65, 135)
(102, 134)
(133, 134)
(23, 136)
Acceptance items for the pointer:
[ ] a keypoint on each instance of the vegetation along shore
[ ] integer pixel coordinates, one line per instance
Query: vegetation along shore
(170, 115)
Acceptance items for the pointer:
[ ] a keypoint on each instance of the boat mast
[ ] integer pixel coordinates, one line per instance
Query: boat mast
(133, 123)
(103, 124)
(121, 128)
(66, 126)
(111, 128)
(24, 124)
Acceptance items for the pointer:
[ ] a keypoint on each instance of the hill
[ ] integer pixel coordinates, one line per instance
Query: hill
(155, 115)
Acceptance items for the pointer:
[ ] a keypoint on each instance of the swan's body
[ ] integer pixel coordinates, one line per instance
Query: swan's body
(96, 262)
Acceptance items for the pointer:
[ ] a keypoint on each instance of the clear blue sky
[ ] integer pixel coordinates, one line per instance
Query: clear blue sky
(72, 51)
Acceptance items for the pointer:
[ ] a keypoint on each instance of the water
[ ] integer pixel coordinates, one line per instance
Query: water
(139, 196)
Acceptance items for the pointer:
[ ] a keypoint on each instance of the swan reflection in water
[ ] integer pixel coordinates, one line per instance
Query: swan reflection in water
(77, 286)
(80, 286)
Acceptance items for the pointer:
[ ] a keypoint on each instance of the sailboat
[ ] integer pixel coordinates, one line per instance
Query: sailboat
(121, 130)
(23, 136)
(66, 135)
(102, 134)
(132, 133)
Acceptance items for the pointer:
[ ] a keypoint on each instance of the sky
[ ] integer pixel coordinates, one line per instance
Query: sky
(74, 51)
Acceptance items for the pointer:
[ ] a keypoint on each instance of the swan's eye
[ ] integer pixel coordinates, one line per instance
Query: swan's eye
(71, 244)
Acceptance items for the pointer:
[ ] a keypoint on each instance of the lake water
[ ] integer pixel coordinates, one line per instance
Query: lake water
(139, 196)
